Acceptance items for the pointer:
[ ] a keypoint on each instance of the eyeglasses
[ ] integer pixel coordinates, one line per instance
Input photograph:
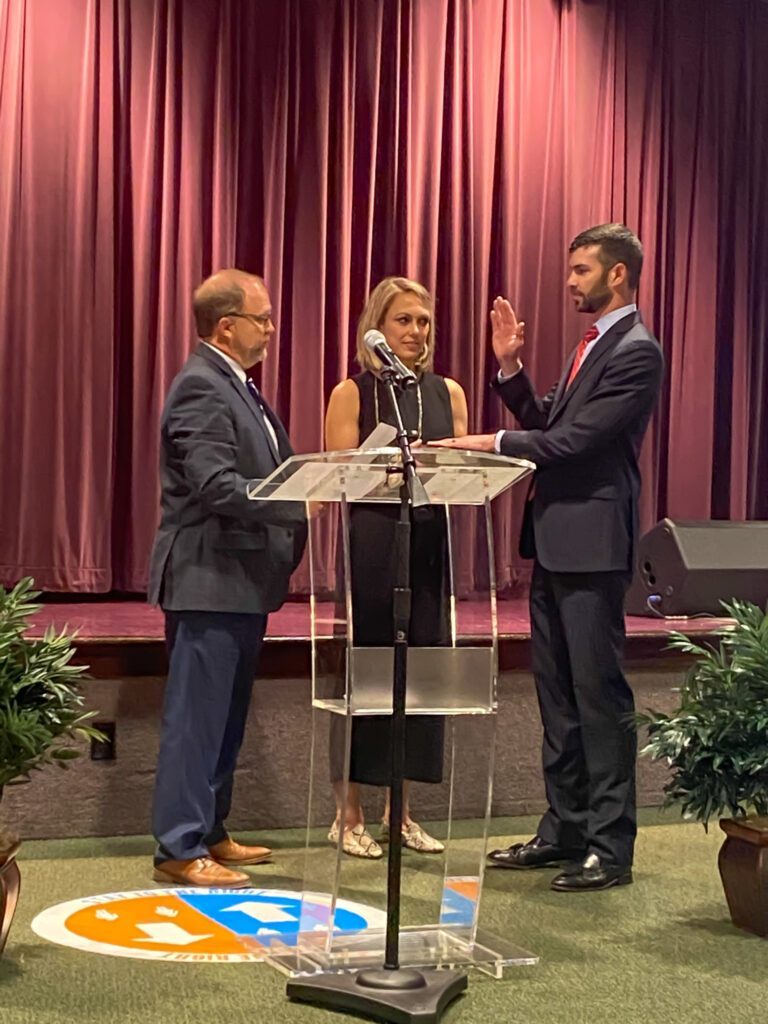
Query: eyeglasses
(262, 319)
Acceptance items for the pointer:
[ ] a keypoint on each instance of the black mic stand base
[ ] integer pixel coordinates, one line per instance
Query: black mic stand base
(402, 996)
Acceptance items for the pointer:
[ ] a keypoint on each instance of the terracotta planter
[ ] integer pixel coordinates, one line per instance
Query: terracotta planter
(743, 863)
(10, 883)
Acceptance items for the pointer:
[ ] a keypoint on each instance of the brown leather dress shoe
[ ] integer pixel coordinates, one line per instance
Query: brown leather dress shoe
(235, 855)
(201, 871)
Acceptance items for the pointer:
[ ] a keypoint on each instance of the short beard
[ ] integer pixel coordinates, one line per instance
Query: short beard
(599, 297)
(259, 357)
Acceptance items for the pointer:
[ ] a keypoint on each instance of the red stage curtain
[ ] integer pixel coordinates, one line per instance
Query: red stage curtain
(327, 143)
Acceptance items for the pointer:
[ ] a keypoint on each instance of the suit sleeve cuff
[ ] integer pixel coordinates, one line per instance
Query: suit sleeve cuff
(502, 378)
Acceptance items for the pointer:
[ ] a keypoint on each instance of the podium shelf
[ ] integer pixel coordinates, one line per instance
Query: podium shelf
(441, 681)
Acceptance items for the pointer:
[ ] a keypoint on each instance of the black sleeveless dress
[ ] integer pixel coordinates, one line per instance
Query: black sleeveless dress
(426, 410)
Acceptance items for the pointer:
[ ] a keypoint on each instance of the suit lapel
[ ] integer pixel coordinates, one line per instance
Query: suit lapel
(561, 387)
(591, 365)
(243, 396)
(258, 415)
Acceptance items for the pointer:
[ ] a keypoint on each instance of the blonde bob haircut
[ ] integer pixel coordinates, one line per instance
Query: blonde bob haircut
(375, 312)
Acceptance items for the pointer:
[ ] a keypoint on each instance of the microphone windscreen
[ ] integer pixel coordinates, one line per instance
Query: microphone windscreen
(373, 338)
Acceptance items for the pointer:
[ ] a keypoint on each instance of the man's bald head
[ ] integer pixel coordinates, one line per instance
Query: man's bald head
(222, 293)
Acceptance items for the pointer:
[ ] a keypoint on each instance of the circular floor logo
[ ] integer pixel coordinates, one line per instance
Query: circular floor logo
(197, 925)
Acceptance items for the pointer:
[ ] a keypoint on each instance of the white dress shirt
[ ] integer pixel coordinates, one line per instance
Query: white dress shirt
(602, 325)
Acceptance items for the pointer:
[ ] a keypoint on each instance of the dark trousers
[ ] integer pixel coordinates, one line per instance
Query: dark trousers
(590, 742)
(213, 657)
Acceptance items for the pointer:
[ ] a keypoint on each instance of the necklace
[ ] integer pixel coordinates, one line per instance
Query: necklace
(418, 399)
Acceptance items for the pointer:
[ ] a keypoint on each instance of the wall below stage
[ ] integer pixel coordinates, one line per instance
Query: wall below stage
(103, 798)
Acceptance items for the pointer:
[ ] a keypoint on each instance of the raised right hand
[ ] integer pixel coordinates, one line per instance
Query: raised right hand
(507, 335)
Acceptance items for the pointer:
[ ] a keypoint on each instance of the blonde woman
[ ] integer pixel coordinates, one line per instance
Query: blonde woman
(403, 311)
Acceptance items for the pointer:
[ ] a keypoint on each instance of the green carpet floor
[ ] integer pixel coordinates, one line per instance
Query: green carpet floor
(662, 950)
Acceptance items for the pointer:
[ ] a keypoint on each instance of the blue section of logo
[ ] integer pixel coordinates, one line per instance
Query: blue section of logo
(457, 908)
(265, 917)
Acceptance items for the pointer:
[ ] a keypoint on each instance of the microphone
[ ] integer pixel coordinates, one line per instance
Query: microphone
(376, 343)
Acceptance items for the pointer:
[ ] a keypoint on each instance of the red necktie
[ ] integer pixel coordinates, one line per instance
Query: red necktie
(591, 334)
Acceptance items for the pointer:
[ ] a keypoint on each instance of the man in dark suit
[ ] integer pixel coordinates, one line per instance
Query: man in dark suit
(580, 526)
(219, 565)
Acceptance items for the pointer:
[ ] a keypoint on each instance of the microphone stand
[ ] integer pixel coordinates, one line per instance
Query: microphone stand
(393, 993)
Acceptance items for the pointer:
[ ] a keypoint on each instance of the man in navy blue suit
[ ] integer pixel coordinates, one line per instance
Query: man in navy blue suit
(220, 563)
(580, 527)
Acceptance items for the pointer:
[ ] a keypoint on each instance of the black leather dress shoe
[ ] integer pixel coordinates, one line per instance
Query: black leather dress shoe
(592, 876)
(536, 853)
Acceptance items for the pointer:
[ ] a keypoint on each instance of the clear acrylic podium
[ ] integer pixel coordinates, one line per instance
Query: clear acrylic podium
(440, 902)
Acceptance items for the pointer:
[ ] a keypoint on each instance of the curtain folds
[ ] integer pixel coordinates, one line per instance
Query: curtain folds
(325, 144)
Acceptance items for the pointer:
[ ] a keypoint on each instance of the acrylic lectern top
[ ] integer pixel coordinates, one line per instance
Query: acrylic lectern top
(449, 476)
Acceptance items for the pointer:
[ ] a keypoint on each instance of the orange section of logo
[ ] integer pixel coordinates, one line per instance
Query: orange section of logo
(165, 925)
(469, 887)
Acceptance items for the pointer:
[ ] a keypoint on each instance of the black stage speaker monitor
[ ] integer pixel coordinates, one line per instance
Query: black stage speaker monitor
(684, 568)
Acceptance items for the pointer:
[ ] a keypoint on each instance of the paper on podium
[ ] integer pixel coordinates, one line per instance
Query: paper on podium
(382, 436)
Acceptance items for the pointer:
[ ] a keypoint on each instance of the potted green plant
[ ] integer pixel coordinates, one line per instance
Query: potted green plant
(716, 745)
(41, 715)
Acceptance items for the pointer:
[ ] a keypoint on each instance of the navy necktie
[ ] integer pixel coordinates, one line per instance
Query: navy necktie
(255, 394)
